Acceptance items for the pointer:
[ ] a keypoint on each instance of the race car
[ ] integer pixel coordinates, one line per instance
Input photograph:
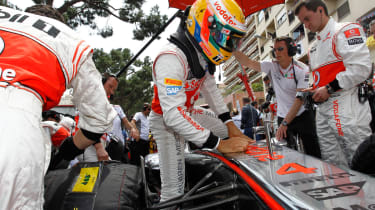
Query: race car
(254, 179)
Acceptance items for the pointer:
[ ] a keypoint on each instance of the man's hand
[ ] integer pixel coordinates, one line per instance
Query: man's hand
(321, 94)
(100, 152)
(241, 57)
(234, 144)
(233, 131)
(281, 132)
(134, 133)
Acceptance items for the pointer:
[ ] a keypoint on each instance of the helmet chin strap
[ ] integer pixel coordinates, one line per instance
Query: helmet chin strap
(191, 48)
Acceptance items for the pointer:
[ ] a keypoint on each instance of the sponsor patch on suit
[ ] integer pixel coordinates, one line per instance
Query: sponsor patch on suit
(173, 86)
(355, 41)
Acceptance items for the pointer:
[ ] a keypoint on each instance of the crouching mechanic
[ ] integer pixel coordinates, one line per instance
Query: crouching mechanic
(183, 70)
(40, 58)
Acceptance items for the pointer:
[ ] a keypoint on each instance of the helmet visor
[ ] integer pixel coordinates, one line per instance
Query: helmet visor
(224, 37)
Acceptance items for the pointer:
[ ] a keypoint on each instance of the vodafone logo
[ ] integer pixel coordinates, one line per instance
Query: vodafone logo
(224, 14)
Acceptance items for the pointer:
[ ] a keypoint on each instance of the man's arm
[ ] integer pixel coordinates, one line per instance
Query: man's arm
(355, 55)
(233, 131)
(73, 146)
(101, 153)
(131, 127)
(246, 61)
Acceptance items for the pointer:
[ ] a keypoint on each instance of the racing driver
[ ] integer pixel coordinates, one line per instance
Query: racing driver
(340, 61)
(208, 33)
(39, 58)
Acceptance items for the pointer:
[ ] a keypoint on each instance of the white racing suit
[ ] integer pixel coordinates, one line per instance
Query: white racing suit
(341, 59)
(174, 120)
(39, 59)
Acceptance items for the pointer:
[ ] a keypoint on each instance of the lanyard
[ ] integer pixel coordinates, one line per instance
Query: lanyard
(286, 73)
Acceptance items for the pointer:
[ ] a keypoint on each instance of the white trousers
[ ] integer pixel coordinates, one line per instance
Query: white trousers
(25, 150)
(171, 149)
(343, 123)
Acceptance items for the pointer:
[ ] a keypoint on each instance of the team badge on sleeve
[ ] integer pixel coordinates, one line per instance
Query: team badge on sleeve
(173, 86)
(352, 32)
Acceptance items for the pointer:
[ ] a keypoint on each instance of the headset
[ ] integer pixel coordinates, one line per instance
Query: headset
(290, 45)
(145, 106)
(292, 51)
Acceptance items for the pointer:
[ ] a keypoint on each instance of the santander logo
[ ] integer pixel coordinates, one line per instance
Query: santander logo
(226, 16)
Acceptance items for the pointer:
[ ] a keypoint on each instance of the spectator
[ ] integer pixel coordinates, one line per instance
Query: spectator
(288, 77)
(249, 117)
(236, 117)
(259, 123)
(266, 116)
(115, 149)
(183, 70)
(113, 141)
(53, 57)
(142, 144)
(342, 121)
(51, 120)
(255, 105)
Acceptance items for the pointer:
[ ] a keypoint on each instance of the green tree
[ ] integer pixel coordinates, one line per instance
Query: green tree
(134, 83)
(234, 89)
(257, 86)
(85, 12)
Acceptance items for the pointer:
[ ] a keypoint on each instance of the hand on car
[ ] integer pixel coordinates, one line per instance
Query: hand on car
(281, 132)
(234, 144)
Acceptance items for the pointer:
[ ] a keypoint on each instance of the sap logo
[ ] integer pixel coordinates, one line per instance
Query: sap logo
(337, 191)
(173, 90)
(7, 74)
(356, 207)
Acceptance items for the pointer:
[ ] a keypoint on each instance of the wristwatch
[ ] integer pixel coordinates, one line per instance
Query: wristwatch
(285, 123)
(330, 89)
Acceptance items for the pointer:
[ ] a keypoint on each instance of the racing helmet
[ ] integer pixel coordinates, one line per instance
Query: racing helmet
(217, 26)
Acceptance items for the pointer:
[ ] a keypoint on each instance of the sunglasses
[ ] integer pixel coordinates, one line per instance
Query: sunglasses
(278, 49)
